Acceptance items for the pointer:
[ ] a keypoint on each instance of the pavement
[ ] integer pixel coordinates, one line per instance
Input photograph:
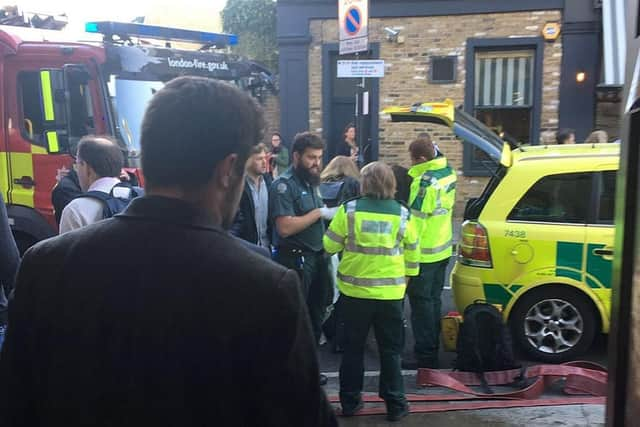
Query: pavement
(571, 415)
(544, 416)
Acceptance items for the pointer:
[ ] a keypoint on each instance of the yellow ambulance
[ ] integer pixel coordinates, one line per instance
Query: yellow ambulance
(539, 239)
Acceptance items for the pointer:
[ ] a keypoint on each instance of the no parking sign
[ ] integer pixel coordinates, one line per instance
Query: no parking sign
(354, 25)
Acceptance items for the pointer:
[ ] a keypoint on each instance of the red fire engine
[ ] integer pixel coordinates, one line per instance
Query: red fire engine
(56, 91)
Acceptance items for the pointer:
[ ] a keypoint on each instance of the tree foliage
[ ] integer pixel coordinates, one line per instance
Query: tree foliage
(254, 21)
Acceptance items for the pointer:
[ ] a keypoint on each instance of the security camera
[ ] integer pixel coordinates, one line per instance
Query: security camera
(391, 32)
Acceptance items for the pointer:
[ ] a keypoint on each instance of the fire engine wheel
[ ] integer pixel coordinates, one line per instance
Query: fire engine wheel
(554, 324)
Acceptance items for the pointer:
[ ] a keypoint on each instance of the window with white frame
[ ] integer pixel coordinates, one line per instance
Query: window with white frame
(503, 98)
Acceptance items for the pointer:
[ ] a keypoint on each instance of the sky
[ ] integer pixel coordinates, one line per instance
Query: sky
(195, 14)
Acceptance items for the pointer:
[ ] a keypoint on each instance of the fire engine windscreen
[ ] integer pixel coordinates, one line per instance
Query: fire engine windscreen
(130, 99)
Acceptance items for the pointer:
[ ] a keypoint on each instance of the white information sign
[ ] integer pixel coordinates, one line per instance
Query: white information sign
(361, 68)
(353, 16)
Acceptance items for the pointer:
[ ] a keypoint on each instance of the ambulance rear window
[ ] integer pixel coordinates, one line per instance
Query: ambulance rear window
(474, 206)
(557, 198)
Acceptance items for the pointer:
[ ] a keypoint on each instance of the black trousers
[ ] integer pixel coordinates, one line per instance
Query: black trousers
(424, 293)
(313, 269)
(386, 317)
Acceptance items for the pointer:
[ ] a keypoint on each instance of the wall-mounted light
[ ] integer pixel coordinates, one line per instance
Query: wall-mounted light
(581, 76)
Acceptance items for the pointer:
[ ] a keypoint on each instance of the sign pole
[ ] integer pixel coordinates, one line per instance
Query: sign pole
(353, 23)
(360, 113)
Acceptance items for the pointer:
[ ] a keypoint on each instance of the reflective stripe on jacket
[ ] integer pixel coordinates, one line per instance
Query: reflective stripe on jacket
(379, 241)
(432, 198)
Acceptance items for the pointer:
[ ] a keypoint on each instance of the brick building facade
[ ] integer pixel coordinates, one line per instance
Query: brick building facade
(407, 67)
(472, 34)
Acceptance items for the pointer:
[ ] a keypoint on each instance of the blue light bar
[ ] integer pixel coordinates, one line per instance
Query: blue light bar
(125, 30)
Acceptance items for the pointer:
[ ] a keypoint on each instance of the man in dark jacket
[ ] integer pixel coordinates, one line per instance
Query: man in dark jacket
(9, 261)
(157, 316)
(252, 220)
(66, 189)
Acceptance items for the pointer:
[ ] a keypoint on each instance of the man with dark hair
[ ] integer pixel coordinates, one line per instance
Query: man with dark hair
(566, 136)
(98, 164)
(252, 220)
(158, 316)
(297, 211)
(425, 135)
(432, 198)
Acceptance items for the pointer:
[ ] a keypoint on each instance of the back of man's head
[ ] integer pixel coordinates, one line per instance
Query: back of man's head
(190, 126)
(422, 150)
(102, 154)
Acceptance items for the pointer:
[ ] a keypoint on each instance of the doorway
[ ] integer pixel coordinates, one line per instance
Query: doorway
(339, 103)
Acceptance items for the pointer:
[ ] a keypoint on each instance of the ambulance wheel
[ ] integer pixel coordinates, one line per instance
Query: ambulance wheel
(554, 324)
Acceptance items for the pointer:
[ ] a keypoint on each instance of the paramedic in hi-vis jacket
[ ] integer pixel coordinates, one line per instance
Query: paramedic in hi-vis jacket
(379, 245)
(431, 199)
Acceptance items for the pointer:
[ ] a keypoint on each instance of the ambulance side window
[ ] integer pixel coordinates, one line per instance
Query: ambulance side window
(32, 120)
(555, 199)
(607, 197)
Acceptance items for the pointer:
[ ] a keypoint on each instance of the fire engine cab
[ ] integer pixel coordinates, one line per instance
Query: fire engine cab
(56, 91)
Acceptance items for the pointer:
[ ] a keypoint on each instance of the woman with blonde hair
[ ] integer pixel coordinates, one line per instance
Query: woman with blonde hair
(379, 245)
(597, 137)
(339, 181)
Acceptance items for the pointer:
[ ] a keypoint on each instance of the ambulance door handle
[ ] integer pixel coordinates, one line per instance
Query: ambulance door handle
(603, 252)
(25, 181)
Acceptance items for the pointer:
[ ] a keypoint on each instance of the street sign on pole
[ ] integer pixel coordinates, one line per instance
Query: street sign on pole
(354, 25)
(361, 68)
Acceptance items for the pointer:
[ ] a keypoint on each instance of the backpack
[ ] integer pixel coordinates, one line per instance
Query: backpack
(484, 343)
(331, 193)
(117, 199)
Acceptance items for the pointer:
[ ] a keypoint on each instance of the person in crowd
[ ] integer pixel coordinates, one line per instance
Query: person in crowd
(67, 185)
(435, 146)
(66, 189)
(566, 136)
(339, 181)
(158, 316)
(431, 198)
(379, 245)
(403, 183)
(597, 137)
(349, 147)
(9, 261)
(99, 163)
(252, 220)
(279, 155)
(297, 211)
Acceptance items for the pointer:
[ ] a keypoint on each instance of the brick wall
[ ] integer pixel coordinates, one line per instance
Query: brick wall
(609, 118)
(406, 82)
(271, 108)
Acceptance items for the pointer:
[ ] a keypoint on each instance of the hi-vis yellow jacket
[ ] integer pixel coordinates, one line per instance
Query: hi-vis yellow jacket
(379, 241)
(432, 197)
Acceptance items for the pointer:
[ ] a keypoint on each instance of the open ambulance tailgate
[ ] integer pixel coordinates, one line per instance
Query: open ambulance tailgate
(462, 124)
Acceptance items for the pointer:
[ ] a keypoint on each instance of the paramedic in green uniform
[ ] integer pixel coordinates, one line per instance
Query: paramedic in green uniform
(297, 211)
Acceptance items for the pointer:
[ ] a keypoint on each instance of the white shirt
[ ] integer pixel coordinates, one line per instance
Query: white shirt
(86, 210)
(260, 196)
